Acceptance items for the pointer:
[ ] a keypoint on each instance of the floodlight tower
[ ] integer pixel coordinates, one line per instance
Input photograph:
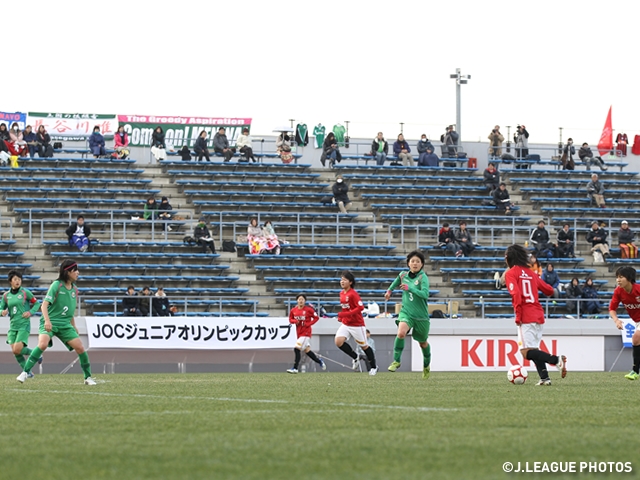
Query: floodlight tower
(460, 80)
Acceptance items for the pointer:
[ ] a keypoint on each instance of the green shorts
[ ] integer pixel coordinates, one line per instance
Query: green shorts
(65, 333)
(21, 335)
(420, 327)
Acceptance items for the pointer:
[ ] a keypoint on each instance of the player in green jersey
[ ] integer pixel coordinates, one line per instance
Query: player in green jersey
(20, 304)
(58, 310)
(414, 313)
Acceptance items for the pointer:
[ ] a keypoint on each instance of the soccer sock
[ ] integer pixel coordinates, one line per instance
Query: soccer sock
(543, 356)
(21, 360)
(33, 358)
(538, 357)
(297, 360)
(26, 351)
(313, 357)
(398, 347)
(371, 356)
(426, 353)
(636, 358)
(346, 348)
(84, 364)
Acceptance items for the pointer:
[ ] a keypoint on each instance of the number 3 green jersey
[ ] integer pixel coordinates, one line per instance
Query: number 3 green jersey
(62, 303)
(18, 303)
(414, 300)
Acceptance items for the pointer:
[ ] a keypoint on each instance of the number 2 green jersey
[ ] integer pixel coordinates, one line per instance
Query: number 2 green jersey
(414, 300)
(62, 303)
(18, 303)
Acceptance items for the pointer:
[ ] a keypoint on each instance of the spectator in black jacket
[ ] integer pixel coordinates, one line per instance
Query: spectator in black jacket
(447, 240)
(573, 292)
(491, 177)
(592, 304)
(380, 149)
(131, 303)
(165, 213)
(540, 239)
(502, 199)
(161, 304)
(221, 145)
(566, 241)
(78, 234)
(184, 153)
(567, 156)
(597, 236)
(203, 237)
(340, 193)
(464, 239)
(423, 145)
(586, 155)
(595, 190)
(158, 146)
(144, 302)
(45, 150)
(29, 136)
(625, 239)
(96, 143)
(201, 148)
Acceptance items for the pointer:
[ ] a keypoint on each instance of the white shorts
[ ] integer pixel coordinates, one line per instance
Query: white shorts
(359, 334)
(530, 335)
(303, 342)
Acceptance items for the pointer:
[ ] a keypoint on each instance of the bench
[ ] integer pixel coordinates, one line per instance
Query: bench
(239, 156)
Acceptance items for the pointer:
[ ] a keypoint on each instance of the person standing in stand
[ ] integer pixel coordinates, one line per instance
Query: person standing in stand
(303, 317)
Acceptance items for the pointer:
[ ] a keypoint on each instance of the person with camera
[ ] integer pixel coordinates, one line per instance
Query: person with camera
(495, 142)
(521, 139)
(450, 139)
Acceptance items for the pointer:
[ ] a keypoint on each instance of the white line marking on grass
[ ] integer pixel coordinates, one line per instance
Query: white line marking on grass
(243, 400)
(181, 412)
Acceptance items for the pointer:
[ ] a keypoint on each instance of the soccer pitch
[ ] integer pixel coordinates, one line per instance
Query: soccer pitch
(314, 425)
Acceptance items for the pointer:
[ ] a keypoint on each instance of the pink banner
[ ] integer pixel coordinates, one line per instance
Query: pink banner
(180, 120)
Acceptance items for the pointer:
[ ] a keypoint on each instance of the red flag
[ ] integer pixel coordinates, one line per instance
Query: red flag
(605, 145)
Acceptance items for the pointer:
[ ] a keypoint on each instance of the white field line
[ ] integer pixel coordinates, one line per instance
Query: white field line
(240, 400)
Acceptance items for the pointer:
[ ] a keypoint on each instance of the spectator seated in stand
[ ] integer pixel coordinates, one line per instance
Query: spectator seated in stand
(502, 199)
(121, 143)
(16, 144)
(131, 303)
(592, 306)
(573, 292)
(203, 236)
(165, 212)
(597, 236)
(330, 151)
(221, 145)
(45, 149)
(158, 145)
(540, 240)
(259, 241)
(31, 140)
(426, 157)
(161, 307)
(144, 302)
(201, 148)
(550, 277)
(491, 177)
(380, 149)
(566, 242)
(625, 240)
(271, 237)
(586, 155)
(595, 190)
(185, 153)
(150, 209)
(96, 143)
(447, 240)
(245, 146)
(464, 239)
(340, 192)
(283, 148)
(403, 151)
(78, 234)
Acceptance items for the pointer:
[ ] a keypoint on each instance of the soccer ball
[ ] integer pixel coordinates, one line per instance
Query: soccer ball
(517, 375)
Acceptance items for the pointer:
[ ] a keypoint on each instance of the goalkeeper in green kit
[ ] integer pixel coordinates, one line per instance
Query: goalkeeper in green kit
(414, 314)
(20, 304)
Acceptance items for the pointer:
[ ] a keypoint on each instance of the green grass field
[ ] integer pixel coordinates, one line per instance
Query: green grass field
(314, 425)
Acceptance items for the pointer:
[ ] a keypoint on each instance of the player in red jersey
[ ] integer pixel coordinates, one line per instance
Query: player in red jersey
(353, 323)
(628, 293)
(523, 285)
(303, 317)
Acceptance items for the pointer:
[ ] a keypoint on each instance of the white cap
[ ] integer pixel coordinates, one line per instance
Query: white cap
(624, 222)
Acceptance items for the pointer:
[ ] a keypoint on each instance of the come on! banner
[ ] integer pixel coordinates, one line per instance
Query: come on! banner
(180, 130)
